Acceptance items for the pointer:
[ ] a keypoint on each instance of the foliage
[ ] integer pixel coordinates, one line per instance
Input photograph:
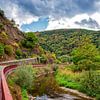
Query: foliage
(1, 12)
(25, 76)
(67, 79)
(8, 50)
(47, 85)
(62, 42)
(43, 58)
(24, 94)
(1, 49)
(3, 35)
(91, 83)
(85, 56)
(86, 81)
(64, 58)
(87, 51)
(1, 25)
(30, 40)
(19, 54)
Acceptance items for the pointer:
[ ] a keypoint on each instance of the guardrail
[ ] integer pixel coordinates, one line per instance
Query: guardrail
(6, 95)
(5, 92)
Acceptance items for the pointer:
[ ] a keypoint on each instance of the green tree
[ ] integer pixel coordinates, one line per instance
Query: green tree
(85, 55)
(30, 40)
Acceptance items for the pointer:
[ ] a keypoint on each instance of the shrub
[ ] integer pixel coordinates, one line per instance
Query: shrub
(1, 25)
(64, 58)
(19, 54)
(3, 35)
(25, 77)
(30, 41)
(43, 59)
(9, 50)
(86, 64)
(1, 49)
(1, 12)
(91, 83)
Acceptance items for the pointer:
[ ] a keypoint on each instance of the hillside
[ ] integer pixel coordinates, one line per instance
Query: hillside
(9, 31)
(10, 36)
(63, 41)
(15, 44)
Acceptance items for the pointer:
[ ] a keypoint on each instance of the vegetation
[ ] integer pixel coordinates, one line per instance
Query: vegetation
(19, 54)
(24, 77)
(30, 40)
(62, 42)
(24, 94)
(86, 81)
(1, 12)
(8, 50)
(84, 57)
(1, 49)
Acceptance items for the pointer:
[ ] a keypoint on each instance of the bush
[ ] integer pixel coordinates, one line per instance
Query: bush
(64, 58)
(30, 41)
(43, 59)
(8, 50)
(91, 83)
(86, 64)
(25, 77)
(1, 49)
(74, 68)
(1, 12)
(1, 25)
(3, 35)
(19, 54)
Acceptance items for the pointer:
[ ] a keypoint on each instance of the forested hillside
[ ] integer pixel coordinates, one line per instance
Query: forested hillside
(15, 44)
(63, 41)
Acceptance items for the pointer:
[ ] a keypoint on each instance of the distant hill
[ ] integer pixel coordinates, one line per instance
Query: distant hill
(62, 41)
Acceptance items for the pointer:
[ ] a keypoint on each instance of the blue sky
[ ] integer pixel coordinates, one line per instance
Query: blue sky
(39, 15)
(39, 25)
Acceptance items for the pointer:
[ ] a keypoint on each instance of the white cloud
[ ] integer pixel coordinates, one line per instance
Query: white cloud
(64, 23)
(13, 11)
(96, 16)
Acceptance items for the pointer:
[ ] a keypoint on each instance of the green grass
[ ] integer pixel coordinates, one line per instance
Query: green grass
(67, 81)
(80, 81)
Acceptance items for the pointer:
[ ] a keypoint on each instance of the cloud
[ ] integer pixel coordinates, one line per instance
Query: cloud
(61, 13)
(90, 23)
(79, 21)
(13, 11)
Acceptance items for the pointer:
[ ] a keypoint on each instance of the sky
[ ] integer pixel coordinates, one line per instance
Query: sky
(40, 15)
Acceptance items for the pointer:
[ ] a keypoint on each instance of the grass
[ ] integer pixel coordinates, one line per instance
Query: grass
(80, 81)
(67, 78)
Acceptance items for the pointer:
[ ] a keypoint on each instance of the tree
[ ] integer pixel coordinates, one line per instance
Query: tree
(85, 55)
(30, 40)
